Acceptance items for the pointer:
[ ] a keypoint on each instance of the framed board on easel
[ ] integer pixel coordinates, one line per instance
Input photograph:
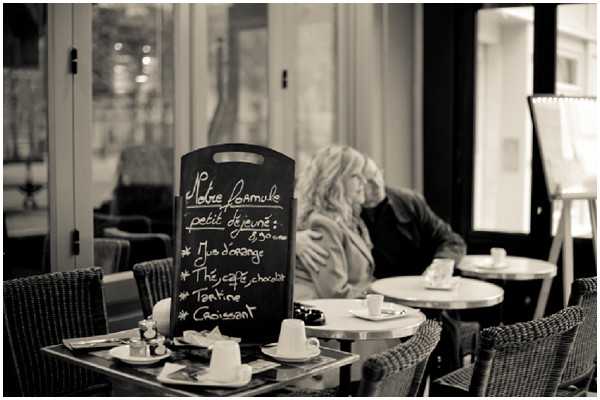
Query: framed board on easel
(234, 256)
(567, 132)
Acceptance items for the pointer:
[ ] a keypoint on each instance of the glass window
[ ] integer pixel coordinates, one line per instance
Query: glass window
(237, 109)
(316, 84)
(566, 70)
(503, 132)
(576, 76)
(25, 167)
(132, 147)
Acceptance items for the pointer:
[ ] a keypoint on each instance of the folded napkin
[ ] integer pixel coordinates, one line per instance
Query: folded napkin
(193, 375)
(167, 370)
(101, 341)
(206, 338)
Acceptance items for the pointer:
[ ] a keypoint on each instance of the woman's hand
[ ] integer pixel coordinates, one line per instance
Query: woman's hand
(310, 253)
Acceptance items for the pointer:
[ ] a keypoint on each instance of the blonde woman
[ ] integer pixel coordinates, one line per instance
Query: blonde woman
(331, 191)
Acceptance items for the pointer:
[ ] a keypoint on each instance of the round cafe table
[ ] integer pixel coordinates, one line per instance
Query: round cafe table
(341, 325)
(411, 291)
(516, 269)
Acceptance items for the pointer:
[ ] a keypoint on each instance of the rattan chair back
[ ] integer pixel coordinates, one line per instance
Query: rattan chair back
(154, 282)
(399, 370)
(581, 361)
(527, 358)
(143, 246)
(112, 255)
(43, 310)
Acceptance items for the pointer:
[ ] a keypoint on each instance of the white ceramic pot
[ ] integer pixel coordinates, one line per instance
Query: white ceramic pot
(161, 313)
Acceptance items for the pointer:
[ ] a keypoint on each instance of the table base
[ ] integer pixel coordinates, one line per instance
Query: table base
(345, 371)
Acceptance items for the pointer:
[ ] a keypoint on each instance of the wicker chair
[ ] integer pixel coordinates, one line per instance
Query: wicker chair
(112, 255)
(43, 310)
(154, 282)
(581, 363)
(395, 372)
(399, 371)
(524, 359)
(145, 185)
(143, 246)
(127, 223)
(459, 340)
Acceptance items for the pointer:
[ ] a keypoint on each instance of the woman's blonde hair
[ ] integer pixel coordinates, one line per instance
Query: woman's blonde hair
(321, 184)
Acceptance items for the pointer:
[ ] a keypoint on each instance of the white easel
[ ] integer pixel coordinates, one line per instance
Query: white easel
(564, 124)
(564, 237)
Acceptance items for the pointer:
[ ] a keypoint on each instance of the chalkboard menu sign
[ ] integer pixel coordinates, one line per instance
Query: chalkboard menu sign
(234, 259)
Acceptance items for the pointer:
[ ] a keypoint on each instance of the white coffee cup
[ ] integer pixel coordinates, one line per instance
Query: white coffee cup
(374, 304)
(226, 363)
(498, 256)
(292, 339)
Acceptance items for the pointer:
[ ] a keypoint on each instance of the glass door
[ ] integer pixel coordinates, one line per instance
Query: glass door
(576, 67)
(314, 80)
(132, 126)
(25, 126)
(503, 132)
(237, 51)
(272, 76)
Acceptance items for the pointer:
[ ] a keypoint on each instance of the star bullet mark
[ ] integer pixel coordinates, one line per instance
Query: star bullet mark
(184, 275)
(183, 315)
(183, 295)
(186, 252)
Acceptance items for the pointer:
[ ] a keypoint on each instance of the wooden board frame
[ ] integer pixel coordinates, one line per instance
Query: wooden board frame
(252, 331)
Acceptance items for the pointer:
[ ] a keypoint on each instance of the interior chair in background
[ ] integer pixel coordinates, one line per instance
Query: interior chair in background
(127, 223)
(6, 260)
(145, 185)
(154, 282)
(396, 372)
(523, 359)
(460, 339)
(43, 310)
(581, 363)
(112, 255)
(24, 253)
(143, 246)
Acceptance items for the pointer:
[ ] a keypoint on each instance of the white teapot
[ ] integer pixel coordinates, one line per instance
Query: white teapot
(161, 313)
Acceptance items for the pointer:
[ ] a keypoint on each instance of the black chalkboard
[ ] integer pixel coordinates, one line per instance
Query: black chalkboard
(234, 260)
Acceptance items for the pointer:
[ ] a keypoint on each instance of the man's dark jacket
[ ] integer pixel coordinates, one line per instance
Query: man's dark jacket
(407, 235)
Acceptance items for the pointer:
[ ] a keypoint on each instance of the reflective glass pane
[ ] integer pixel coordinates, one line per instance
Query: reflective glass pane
(25, 161)
(237, 109)
(316, 87)
(132, 147)
(576, 76)
(503, 133)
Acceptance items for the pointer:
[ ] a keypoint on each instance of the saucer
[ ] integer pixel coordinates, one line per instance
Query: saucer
(271, 351)
(170, 374)
(451, 285)
(205, 380)
(122, 353)
(386, 313)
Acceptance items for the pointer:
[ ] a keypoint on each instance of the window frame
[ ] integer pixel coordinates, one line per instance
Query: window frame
(457, 205)
(449, 123)
(67, 146)
(70, 114)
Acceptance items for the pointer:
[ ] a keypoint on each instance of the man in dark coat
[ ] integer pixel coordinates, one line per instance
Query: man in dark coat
(406, 234)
